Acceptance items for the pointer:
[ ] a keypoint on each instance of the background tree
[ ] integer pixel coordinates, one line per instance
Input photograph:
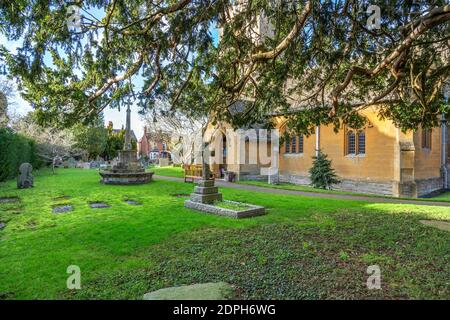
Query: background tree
(114, 142)
(6, 93)
(321, 63)
(91, 138)
(16, 149)
(50, 143)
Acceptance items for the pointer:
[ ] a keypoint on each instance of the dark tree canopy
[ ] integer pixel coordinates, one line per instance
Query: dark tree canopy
(318, 62)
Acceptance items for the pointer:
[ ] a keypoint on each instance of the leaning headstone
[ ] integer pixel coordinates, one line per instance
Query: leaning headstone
(72, 162)
(86, 165)
(25, 178)
(201, 291)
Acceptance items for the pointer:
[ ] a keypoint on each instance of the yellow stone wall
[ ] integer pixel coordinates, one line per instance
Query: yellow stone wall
(428, 162)
(377, 164)
(393, 158)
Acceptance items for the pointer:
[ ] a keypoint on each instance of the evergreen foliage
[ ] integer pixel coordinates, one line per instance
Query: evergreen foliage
(320, 55)
(15, 149)
(114, 143)
(322, 174)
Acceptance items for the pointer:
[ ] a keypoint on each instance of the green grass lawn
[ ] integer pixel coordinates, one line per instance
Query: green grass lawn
(289, 186)
(168, 171)
(296, 187)
(178, 173)
(442, 197)
(304, 248)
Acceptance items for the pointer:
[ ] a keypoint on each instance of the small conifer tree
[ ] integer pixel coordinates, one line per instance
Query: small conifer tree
(322, 175)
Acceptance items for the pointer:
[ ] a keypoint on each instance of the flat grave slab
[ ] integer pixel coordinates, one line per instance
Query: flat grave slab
(133, 202)
(441, 225)
(60, 198)
(199, 291)
(99, 205)
(231, 209)
(9, 200)
(62, 209)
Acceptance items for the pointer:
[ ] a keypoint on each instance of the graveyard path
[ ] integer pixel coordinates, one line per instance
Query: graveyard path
(374, 199)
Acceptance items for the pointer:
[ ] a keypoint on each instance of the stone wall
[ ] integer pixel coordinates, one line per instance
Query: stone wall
(245, 177)
(369, 187)
(428, 186)
(295, 179)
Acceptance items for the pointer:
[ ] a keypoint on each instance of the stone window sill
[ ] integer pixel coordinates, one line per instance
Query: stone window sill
(352, 156)
(293, 155)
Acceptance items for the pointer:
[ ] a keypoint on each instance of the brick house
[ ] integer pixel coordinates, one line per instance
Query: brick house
(154, 145)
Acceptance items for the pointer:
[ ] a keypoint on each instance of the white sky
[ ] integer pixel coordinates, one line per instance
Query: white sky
(21, 107)
(118, 118)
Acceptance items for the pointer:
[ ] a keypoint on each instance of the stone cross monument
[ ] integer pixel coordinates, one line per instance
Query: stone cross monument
(129, 170)
(205, 192)
(127, 144)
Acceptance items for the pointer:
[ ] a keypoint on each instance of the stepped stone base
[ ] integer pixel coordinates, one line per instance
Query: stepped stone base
(206, 190)
(205, 183)
(206, 194)
(109, 177)
(206, 198)
(127, 171)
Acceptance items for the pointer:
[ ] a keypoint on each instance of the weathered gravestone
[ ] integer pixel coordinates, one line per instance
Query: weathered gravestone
(94, 165)
(72, 162)
(25, 178)
(86, 165)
